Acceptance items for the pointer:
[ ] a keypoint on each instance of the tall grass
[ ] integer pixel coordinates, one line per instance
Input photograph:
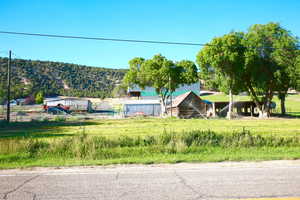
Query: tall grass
(84, 146)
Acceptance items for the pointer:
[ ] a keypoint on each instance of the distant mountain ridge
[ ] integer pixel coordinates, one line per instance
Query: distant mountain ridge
(57, 78)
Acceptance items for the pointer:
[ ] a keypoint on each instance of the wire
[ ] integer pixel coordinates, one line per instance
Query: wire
(102, 38)
(125, 40)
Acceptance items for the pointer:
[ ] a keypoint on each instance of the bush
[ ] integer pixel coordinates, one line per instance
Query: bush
(84, 146)
(34, 146)
(39, 98)
(202, 138)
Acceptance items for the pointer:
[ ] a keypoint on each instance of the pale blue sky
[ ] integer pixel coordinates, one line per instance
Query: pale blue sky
(166, 20)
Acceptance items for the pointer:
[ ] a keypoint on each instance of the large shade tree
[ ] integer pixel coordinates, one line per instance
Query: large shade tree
(261, 62)
(297, 86)
(222, 62)
(269, 63)
(160, 73)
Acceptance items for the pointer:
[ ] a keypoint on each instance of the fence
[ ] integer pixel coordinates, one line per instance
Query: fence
(22, 113)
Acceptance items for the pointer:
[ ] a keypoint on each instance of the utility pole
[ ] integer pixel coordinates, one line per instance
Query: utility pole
(8, 88)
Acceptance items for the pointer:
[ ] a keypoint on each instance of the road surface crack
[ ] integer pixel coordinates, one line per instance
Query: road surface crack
(183, 182)
(33, 194)
(19, 186)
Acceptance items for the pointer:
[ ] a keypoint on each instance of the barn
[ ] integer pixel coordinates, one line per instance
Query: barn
(142, 108)
(75, 104)
(189, 105)
(150, 93)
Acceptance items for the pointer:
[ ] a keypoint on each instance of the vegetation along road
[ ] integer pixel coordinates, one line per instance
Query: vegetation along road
(150, 140)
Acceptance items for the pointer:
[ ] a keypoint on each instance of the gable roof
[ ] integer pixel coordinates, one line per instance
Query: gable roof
(179, 99)
(150, 91)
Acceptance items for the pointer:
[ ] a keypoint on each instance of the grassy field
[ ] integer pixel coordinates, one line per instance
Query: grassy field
(150, 126)
(150, 140)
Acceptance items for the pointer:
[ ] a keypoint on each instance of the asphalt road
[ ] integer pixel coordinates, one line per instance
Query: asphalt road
(228, 180)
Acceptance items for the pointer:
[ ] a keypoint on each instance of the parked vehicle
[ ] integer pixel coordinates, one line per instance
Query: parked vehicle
(59, 109)
(13, 103)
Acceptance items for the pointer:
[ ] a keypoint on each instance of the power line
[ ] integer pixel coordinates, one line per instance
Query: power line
(126, 40)
(103, 39)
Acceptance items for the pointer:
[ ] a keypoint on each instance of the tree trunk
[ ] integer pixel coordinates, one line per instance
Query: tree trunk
(229, 113)
(282, 104)
(266, 110)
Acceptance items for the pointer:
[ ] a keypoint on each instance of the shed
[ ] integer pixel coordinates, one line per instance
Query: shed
(189, 105)
(75, 104)
(142, 107)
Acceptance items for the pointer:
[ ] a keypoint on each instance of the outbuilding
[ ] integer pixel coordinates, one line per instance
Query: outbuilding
(189, 105)
(142, 108)
(75, 104)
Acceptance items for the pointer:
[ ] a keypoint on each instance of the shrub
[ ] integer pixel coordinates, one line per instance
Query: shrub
(39, 97)
(202, 138)
(34, 146)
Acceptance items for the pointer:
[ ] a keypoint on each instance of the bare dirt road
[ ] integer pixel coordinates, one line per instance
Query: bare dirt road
(230, 180)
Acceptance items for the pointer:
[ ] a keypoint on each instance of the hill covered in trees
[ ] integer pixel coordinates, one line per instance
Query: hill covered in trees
(56, 78)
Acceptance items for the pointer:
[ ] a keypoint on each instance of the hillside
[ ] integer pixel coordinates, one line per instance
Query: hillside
(56, 78)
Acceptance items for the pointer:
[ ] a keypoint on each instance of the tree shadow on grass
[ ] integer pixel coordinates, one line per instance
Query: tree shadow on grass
(289, 115)
(40, 129)
(38, 124)
(33, 135)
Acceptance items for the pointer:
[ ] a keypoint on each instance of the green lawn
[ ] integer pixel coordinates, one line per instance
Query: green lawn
(152, 126)
(139, 140)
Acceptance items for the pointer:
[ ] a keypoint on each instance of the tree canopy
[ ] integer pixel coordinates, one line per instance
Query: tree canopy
(160, 73)
(261, 61)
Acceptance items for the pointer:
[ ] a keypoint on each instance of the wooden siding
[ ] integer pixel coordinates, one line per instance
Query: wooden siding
(190, 107)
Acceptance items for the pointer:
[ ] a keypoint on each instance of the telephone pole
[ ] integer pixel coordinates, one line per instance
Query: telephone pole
(170, 90)
(8, 88)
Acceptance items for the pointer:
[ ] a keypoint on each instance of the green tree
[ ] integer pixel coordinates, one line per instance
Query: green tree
(160, 73)
(269, 63)
(287, 77)
(188, 71)
(132, 77)
(297, 86)
(260, 62)
(39, 97)
(222, 61)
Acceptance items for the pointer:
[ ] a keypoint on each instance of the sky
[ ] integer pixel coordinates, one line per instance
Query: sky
(163, 20)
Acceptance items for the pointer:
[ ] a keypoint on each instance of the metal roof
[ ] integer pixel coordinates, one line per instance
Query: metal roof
(150, 91)
(66, 99)
(180, 99)
(142, 101)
